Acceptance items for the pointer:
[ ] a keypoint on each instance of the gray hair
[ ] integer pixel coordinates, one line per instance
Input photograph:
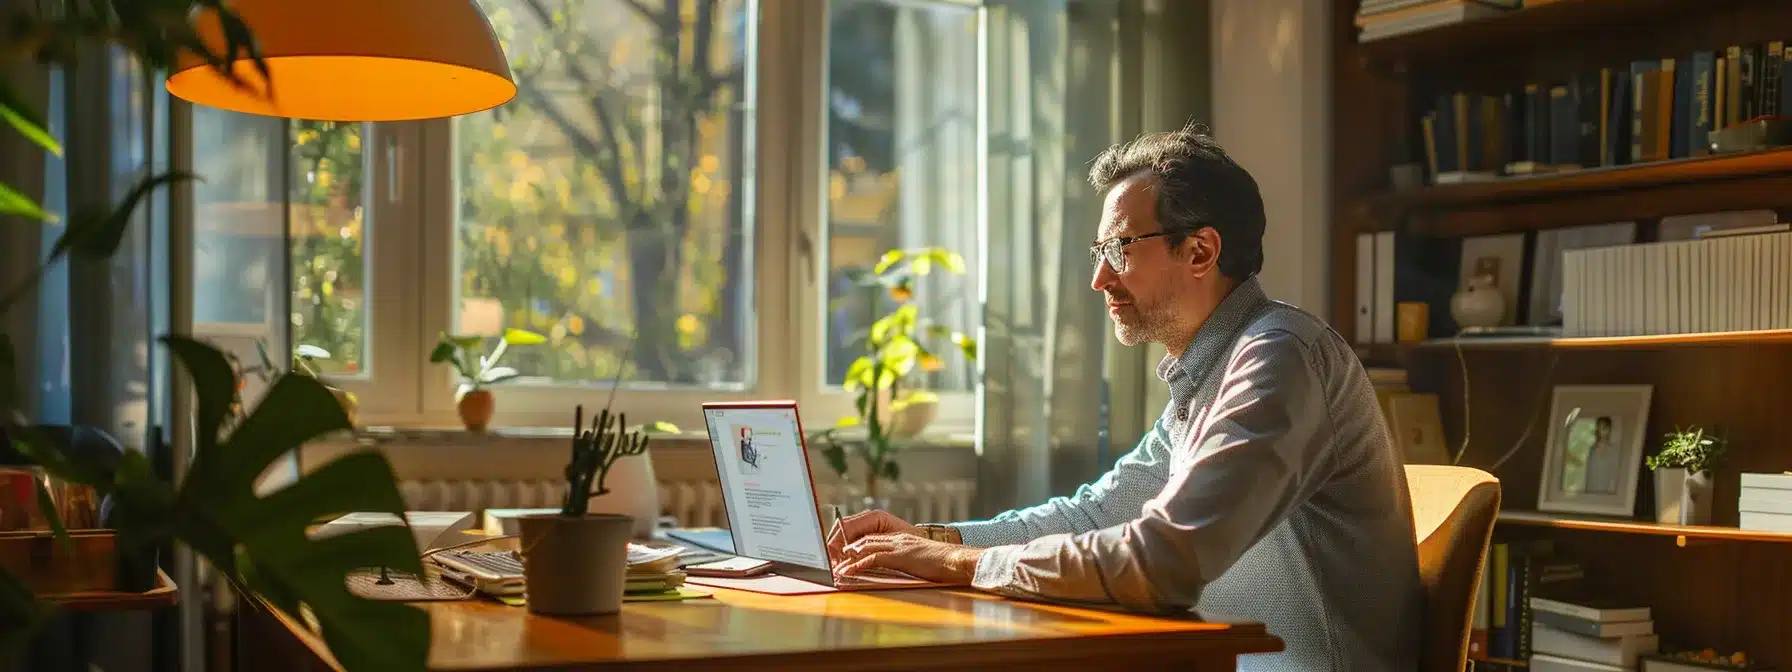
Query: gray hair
(1198, 186)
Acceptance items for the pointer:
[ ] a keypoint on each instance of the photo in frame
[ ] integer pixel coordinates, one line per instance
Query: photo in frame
(1594, 456)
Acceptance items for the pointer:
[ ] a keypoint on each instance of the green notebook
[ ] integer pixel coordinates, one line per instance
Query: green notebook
(679, 593)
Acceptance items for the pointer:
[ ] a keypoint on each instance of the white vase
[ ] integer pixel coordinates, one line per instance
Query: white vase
(1480, 304)
(1682, 498)
(574, 566)
(633, 493)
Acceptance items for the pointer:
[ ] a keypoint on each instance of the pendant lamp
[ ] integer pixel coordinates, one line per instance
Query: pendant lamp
(354, 60)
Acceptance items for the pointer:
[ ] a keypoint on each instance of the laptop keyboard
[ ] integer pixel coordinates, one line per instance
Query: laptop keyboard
(501, 564)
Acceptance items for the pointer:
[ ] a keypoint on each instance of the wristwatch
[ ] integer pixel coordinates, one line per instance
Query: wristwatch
(940, 533)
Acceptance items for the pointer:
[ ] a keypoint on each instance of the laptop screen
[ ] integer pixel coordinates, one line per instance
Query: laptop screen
(765, 484)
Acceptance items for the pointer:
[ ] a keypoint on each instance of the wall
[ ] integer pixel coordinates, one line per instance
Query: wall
(1271, 110)
(1266, 94)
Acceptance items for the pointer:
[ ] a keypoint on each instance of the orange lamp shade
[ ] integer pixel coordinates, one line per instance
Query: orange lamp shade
(354, 60)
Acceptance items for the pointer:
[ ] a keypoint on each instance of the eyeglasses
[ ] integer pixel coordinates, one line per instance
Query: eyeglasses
(1110, 250)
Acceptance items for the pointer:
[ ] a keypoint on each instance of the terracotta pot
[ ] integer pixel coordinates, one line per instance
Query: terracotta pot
(476, 407)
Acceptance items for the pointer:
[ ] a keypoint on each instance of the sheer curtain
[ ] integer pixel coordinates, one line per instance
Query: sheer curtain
(1053, 102)
(85, 337)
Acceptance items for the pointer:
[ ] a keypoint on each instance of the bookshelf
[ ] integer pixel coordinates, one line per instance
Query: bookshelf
(1534, 25)
(1632, 179)
(1683, 533)
(1709, 586)
(1648, 341)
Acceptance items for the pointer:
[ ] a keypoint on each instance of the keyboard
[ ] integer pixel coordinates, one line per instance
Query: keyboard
(497, 564)
(491, 572)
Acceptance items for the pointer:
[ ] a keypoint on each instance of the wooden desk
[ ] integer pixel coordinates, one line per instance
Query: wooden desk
(884, 630)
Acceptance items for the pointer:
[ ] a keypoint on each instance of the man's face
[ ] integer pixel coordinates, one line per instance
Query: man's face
(1140, 298)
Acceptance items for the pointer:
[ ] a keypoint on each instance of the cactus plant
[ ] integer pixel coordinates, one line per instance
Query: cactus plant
(595, 451)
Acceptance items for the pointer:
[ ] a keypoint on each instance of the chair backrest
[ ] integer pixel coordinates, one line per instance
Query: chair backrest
(1453, 511)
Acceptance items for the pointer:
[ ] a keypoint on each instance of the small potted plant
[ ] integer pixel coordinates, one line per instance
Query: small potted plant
(891, 410)
(1683, 476)
(575, 562)
(304, 360)
(478, 371)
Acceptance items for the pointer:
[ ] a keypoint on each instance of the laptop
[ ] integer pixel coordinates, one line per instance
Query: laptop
(768, 495)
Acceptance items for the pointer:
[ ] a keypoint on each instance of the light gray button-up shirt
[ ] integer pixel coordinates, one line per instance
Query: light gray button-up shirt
(1270, 489)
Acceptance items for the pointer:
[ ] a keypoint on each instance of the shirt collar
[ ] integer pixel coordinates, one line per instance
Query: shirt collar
(1215, 336)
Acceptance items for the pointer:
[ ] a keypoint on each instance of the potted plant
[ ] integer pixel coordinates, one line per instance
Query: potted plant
(477, 371)
(890, 412)
(575, 562)
(1683, 476)
(257, 541)
(304, 362)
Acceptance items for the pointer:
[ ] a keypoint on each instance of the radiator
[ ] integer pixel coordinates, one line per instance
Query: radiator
(692, 503)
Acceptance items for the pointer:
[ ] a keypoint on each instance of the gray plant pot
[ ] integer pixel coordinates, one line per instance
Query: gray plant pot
(1682, 498)
(575, 566)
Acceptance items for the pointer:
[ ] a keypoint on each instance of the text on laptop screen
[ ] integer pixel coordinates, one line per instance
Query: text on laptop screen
(765, 485)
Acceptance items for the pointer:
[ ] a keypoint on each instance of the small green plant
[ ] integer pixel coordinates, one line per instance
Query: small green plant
(476, 369)
(896, 345)
(1689, 449)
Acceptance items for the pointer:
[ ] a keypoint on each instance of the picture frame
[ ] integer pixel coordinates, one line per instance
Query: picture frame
(1546, 266)
(1500, 256)
(1592, 462)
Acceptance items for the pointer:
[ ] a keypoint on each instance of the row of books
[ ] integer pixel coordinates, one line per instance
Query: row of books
(1534, 606)
(1381, 19)
(1647, 110)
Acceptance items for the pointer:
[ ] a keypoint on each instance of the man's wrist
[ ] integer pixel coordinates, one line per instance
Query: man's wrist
(940, 533)
(962, 562)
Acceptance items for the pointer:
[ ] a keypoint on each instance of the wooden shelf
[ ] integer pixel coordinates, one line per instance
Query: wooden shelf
(165, 594)
(1528, 26)
(1613, 342)
(1683, 534)
(1630, 179)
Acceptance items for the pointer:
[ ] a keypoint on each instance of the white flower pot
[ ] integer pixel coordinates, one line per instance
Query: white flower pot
(574, 566)
(1682, 498)
(634, 492)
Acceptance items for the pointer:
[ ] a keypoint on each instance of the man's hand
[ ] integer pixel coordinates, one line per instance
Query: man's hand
(859, 525)
(916, 556)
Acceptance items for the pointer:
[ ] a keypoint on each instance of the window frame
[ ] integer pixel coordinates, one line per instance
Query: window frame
(412, 266)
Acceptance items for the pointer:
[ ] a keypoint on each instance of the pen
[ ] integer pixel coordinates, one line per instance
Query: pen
(837, 516)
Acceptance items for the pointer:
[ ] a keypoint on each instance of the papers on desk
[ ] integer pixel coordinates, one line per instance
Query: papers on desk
(652, 569)
(432, 529)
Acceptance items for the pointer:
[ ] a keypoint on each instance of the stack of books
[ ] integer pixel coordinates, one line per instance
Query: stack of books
(1765, 503)
(653, 572)
(1380, 19)
(1589, 635)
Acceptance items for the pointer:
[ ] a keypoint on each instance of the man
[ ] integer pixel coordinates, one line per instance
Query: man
(1599, 470)
(1270, 488)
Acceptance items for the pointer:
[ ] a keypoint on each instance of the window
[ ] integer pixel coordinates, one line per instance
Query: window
(328, 218)
(604, 207)
(648, 203)
(903, 110)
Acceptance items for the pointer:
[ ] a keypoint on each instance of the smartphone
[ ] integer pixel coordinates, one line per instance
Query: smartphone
(734, 568)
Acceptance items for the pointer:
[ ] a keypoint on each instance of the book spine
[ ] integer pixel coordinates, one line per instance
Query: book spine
(1771, 83)
(1704, 89)
(1527, 581)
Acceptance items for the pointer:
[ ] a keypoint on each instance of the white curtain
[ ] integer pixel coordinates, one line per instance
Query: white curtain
(1052, 106)
(936, 156)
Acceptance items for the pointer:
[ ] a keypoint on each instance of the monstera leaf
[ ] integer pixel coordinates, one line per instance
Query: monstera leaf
(261, 540)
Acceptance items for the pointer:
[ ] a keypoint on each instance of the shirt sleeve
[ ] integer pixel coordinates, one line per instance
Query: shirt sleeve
(1116, 497)
(1252, 461)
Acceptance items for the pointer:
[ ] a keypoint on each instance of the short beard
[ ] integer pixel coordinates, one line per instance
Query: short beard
(1146, 327)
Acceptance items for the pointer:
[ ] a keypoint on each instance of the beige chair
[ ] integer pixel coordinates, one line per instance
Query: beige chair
(1453, 510)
